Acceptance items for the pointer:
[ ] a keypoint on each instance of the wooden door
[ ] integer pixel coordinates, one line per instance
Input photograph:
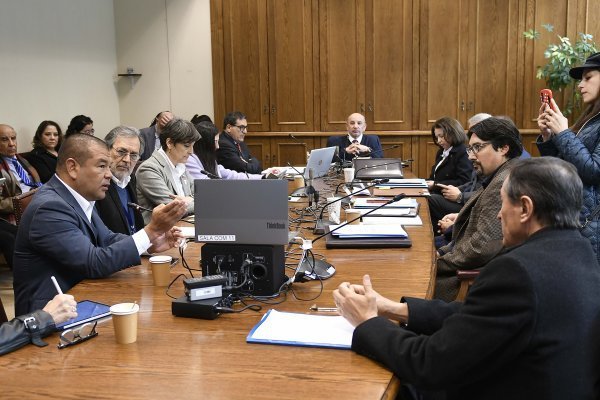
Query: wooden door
(342, 61)
(260, 148)
(403, 152)
(243, 73)
(291, 65)
(287, 150)
(443, 28)
(427, 150)
(389, 64)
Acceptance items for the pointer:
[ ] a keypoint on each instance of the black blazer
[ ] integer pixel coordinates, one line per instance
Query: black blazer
(342, 142)
(528, 328)
(149, 135)
(43, 162)
(455, 170)
(111, 212)
(230, 157)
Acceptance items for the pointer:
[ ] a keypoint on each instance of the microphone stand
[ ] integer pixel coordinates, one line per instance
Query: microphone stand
(382, 150)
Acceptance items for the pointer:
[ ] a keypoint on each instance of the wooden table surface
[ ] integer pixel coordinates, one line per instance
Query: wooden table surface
(181, 358)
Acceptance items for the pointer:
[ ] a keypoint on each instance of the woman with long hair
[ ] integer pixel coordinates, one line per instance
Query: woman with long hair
(579, 144)
(46, 142)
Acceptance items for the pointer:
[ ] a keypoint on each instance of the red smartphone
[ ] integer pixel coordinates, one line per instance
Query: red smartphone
(546, 96)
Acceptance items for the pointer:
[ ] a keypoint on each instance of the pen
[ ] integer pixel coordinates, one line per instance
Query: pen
(138, 207)
(56, 285)
(323, 309)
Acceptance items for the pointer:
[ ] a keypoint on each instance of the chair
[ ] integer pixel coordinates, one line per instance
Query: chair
(466, 277)
(21, 202)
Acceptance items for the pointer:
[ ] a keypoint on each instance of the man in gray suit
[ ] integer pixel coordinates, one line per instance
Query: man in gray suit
(61, 233)
(152, 133)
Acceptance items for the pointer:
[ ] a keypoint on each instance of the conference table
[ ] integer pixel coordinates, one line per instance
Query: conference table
(181, 358)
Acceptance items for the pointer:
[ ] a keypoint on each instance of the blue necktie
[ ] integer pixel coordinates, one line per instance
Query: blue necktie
(23, 174)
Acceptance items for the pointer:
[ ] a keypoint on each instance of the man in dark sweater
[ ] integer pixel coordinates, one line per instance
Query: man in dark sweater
(530, 324)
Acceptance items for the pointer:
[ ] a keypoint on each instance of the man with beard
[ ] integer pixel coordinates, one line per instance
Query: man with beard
(477, 235)
(125, 144)
(356, 143)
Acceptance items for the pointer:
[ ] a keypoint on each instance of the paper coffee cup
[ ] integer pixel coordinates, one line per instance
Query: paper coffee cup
(334, 209)
(348, 175)
(161, 270)
(298, 182)
(351, 214)
(125, 317)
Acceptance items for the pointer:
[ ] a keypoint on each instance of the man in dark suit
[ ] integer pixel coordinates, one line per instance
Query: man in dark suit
(356, 143)
(124, 143)
(233, 153)
(61, 233)
(20, 176)
(530, 324)
(150, 135)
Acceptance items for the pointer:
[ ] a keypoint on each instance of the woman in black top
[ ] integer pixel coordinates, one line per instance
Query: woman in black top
(46, 143)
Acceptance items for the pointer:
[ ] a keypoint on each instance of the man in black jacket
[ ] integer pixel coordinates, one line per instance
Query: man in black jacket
(125, 144)
(233, 153)
(530, 324)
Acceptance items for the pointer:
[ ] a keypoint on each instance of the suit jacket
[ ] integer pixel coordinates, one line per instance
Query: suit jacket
(43, 162)
(155, 184)
(11, 187)
(528, 328)
(371, 141)
(149, 135)
(456, 169)
(56, 238)
(111, 211)
(476, 235)
(229, 156)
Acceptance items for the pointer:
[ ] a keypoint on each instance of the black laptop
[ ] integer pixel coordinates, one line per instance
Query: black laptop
(377, 168)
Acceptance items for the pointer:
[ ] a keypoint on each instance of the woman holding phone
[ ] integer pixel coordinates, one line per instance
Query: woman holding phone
(579, 144)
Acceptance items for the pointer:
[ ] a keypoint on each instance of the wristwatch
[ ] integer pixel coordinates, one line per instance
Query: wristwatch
(460, 198)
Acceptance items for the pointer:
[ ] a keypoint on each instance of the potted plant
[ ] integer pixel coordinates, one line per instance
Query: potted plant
(561, 58)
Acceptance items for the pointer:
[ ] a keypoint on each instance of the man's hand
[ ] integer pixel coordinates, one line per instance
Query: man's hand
(61, 308)
(447, 222)
(164, 217)
(450, 192)
(166, 241)
(356, 307)
(356, 149)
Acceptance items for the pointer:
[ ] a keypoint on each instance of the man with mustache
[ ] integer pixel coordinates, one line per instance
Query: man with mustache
(477, 235)
(125, 144)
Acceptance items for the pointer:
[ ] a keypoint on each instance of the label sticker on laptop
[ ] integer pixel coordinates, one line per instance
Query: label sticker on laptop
(216, 238)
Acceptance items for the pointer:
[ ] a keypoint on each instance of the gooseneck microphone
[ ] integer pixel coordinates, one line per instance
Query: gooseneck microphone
(209, 174)
(320, 224)
(375, 181)
(382, 150)
(310, 190)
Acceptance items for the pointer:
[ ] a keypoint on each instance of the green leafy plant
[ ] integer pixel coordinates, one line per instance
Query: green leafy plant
(561, 58)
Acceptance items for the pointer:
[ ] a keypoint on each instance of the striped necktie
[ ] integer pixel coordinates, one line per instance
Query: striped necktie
(23, 174)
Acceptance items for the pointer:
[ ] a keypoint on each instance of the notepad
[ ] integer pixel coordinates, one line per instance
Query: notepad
(373, 202)
(294, 329)
(369, 231)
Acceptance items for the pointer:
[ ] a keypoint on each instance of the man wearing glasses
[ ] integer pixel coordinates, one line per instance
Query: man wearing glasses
(477, 235)
(233, 153)
(125, 145)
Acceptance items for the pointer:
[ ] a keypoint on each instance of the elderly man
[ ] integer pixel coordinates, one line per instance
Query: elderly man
(356, 143)
(529, 326)
(124, 144)
(20, 176)
(61, 233)
(233, 153)
(151, 135)
(493, 146)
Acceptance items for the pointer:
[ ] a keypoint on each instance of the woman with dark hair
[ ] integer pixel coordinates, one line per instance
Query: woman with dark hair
(452, 165)
(80, 124)
(46, 143)
(205, 157)
(580, 144)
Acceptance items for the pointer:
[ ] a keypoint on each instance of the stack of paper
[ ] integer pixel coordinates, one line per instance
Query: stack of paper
(405, 183)
(373, 202)
(369, 231)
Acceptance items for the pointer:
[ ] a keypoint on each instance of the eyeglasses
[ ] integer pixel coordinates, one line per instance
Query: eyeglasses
(476, 148)
(243, 128)
(124, 153)
(89, 131)
(71, 337)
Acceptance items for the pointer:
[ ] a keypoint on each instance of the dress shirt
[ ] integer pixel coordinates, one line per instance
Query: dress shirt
(358, 139)
(122, 184)
(24, 188)
(177, 172)
(444, 155)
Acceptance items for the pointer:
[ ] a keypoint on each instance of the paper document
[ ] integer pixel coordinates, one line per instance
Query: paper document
(368, 231)
(373, 202)
(389, 212)
(413, 183)
(403, 221)
(296, 329)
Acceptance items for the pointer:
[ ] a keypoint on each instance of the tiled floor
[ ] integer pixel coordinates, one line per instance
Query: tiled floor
(6, 291)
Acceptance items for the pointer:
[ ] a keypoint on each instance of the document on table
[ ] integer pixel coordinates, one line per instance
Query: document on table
(368, 231)
(372, 202)
(404, 221)
(294, 329)
(399, 183)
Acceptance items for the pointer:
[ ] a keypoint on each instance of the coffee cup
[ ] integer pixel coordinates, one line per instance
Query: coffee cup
(348, 175)
(125, 317)
(161, 270)
(351, 214)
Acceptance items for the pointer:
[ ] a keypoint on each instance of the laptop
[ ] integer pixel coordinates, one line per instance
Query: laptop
(319, 161)
(377, 168)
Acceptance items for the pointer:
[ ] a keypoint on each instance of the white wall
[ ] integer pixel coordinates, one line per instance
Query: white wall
(57, 60)
(168, 42)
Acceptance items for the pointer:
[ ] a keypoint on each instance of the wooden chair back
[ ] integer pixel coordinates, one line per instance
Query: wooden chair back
(21, 202)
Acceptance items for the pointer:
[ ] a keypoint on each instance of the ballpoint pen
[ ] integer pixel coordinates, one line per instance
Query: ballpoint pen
(323, 309)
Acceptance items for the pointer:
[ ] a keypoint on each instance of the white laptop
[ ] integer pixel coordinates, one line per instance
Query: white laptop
(319, 161)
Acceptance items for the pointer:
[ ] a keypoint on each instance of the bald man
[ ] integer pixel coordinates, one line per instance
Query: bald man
(356, 143)
(61, 233)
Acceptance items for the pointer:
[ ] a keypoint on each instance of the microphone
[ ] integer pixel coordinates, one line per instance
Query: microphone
(375, 181)
(300, 142)
(382, 150)
(310, 190)
(320, 224)
(209, 174)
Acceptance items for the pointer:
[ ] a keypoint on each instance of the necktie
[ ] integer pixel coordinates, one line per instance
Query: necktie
(239, 148)
(354, 141)
(23, 174)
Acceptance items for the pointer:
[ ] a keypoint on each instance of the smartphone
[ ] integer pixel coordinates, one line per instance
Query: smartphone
(546, 96)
